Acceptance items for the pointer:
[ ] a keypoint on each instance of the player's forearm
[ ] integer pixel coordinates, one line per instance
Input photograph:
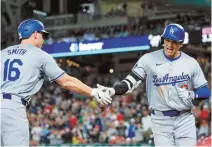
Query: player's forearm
(130, 82)
(75, 85)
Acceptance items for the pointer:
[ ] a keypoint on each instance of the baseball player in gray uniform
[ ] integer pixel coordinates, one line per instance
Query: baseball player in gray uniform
(23, 69)
(173, 80)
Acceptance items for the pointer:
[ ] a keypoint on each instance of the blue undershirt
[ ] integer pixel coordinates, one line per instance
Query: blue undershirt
(202, 93)
(171, 59)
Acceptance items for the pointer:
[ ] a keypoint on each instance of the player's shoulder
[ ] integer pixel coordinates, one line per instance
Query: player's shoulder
(39, 51)
(189, 60)
(187, 57)
(36, 52)
(157, 52)
(154, 54)
(8, 48)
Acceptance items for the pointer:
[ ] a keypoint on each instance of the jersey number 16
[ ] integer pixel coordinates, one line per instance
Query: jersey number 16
(9, 69)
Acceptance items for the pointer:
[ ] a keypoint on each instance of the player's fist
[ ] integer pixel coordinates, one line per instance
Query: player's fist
(107, 90)
(100, 96)
(184, 93)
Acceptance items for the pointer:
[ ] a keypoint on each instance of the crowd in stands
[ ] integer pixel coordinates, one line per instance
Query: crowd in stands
(135, 27)
(57, 116)
(119, 10)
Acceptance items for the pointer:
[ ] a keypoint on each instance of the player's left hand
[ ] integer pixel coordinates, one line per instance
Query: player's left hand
(100, 96)
(185, 94)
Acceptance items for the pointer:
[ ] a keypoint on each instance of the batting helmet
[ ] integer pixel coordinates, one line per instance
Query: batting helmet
(27, 27)
(174, 32)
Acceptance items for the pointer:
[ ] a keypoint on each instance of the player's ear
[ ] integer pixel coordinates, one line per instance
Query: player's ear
(36, 35)
(181, 44)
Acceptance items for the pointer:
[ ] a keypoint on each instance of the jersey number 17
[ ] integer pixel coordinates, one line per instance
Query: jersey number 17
(9, 69)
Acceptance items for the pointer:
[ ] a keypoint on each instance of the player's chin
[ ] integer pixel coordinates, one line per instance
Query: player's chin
(169, 53)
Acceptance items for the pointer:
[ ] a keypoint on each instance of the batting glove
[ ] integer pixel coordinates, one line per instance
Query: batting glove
(107, 90)
(100, 96)
(185, 94)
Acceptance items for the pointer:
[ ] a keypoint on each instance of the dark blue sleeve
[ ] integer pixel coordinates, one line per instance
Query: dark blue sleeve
(202, 93)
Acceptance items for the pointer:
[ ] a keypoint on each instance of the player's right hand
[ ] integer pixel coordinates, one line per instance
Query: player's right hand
(100, 96)
(108, 90)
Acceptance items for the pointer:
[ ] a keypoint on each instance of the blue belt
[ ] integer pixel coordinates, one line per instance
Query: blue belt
(170, 113)
(9, 97)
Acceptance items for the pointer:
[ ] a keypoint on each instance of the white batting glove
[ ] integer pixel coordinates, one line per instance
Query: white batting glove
(100, 96)
(107, 90)
(185, 94)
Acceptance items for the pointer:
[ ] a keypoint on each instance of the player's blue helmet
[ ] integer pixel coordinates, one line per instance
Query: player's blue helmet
(174, 32)
(27, 27)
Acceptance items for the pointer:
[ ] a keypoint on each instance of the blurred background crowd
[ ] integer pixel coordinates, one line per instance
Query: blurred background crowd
(57, 116)
(136, 27)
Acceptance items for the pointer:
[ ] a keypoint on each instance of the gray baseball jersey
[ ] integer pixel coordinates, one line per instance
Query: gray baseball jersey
(23, 68)
(163, 76)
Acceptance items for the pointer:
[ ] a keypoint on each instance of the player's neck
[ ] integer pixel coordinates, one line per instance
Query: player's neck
(174, 57)
(27, 42)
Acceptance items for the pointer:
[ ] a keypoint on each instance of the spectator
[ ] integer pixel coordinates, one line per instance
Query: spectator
(94, 134)
(111, 131)
(44, 134)
(121, 129)
(138, 134)
(146, 122)
(131, 130)
(35, 132)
